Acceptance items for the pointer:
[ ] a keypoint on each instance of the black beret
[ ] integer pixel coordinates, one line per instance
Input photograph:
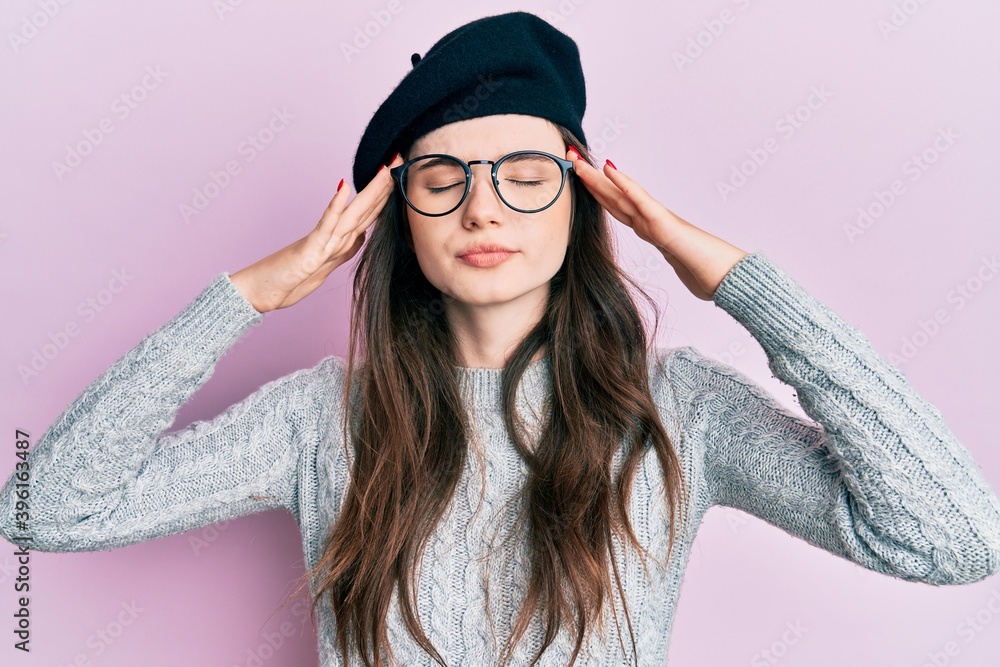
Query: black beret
(509, 63)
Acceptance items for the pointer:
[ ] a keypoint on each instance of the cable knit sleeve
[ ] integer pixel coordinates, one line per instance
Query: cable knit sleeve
(878, 478)
(105, 475)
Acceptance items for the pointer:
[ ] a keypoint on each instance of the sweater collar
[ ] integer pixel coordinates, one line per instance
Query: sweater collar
(481, 386)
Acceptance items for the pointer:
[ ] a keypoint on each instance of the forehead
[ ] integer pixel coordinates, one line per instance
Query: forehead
(490, 137)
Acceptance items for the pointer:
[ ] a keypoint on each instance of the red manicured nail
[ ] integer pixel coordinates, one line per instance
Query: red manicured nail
(392, 160)
(575, 152)
(340, 185)
(612, 164)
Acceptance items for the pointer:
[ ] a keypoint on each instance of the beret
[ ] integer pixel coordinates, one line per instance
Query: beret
(512, 63)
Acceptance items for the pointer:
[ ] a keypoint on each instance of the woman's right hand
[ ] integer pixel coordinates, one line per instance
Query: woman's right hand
(289, 275)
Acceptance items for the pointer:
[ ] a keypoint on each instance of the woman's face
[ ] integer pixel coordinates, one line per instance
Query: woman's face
(538, 239)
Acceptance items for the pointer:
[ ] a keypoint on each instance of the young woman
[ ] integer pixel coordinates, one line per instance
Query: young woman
(509, 475)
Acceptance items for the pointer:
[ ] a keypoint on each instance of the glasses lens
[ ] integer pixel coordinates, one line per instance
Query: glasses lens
(435, 185)
(529, 181)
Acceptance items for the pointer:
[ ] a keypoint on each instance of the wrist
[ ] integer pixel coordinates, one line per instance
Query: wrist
(707, 257)
(243, 283)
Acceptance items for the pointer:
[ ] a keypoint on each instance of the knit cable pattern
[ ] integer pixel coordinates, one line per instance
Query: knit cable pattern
(875, 476)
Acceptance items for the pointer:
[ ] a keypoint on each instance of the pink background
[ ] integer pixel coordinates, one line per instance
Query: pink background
(207, 596)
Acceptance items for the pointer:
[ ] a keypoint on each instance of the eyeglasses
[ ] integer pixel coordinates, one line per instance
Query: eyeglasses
(526, 181)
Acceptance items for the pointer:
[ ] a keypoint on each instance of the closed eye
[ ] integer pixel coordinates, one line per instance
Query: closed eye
(444, 189)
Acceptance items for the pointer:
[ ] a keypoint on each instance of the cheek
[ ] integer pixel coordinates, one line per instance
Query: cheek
(557, 227)
(547, 242)
(429, 248)
(422, 236)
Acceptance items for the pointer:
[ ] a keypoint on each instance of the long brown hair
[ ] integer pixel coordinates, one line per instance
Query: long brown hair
(410, 436)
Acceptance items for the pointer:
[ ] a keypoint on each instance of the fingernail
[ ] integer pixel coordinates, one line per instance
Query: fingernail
(575, 152)
(340, 185)
(381, 168)
(392, 160)
(612, 164)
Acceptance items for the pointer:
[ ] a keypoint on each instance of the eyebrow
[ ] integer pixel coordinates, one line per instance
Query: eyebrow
(526, 157)
(427, 164)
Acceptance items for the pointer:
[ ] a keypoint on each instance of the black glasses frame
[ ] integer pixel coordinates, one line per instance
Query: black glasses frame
(399, 172)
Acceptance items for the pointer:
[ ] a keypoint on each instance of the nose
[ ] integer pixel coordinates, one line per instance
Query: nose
(482, 204)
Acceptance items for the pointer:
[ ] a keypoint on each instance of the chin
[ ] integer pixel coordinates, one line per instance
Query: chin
(484, 297)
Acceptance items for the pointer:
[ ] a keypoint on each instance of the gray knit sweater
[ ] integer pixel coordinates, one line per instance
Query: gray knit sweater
(878, 478)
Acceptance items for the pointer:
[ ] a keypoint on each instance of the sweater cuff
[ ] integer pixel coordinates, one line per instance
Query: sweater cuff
(215, 319)
(766, 300)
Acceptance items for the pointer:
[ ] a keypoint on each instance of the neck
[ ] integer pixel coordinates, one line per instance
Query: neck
(486, 333)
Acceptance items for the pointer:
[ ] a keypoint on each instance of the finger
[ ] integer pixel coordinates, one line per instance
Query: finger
(374, 195)
(607, 193)
(359, 212)
(596, 182)
(342, 254)
(335, 208)
(342, 196)
(645, 205)
(628, 196)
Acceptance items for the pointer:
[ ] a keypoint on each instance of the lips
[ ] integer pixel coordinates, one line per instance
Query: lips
(487, 259)
(485, 248)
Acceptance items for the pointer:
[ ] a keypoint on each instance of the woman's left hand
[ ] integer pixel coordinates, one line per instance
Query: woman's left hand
(700, 259)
